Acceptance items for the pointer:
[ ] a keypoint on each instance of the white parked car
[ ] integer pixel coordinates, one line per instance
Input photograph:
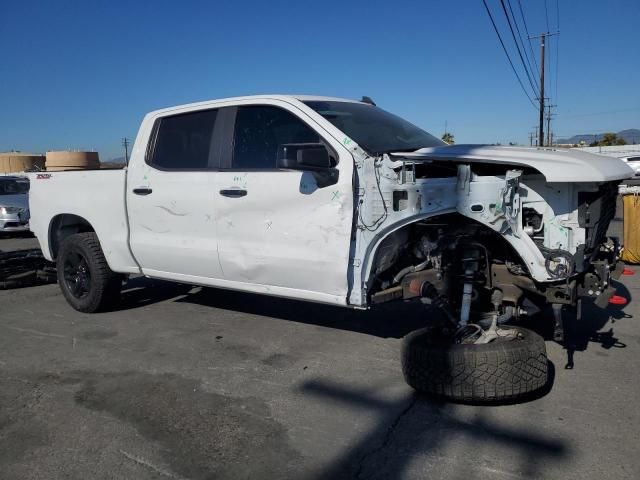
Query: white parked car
(337, 201)
(14, 204)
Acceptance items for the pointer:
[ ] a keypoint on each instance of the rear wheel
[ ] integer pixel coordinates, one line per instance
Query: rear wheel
(86, 281)
(505, 369)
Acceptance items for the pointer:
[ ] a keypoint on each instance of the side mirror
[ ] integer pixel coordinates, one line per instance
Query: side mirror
(312, 158)
(309, 157)
(304, 156)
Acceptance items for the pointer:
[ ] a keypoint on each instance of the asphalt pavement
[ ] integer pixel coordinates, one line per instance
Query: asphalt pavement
(194, 383)
(12, 242)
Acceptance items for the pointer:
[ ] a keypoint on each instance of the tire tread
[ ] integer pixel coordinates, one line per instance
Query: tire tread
(106, 284)
(491, 372)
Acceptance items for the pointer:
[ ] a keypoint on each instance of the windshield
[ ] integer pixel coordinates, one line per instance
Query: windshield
(12, 187)
(374, 129)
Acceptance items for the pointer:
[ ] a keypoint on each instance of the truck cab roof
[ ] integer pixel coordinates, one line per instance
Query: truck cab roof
(233, 100)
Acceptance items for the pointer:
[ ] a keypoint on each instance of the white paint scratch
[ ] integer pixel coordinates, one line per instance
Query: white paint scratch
(170, 211)
(152, 230)
(149, 465)
(501, 472)
(34, 332)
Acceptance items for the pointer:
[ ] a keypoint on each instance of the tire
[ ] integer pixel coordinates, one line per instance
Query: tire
(93, 286)
(500, 371)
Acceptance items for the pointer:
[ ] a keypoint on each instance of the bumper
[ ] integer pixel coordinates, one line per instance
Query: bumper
(596, 282)
(14, 223)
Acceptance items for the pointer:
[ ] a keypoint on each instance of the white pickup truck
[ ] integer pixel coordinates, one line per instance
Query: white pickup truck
(337, 201)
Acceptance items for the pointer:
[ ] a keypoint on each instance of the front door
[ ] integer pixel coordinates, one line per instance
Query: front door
(279, 231)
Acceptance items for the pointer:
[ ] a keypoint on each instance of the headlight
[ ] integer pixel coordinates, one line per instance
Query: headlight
(10, 210)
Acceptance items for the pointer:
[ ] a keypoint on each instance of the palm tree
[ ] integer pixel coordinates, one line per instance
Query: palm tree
(448, 137)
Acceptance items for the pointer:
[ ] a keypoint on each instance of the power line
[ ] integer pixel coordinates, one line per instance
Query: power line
(557, 46)
(526, 29)
(548, 68)
(507, 53)
(533, 85)
(528, 69)
(546, 14)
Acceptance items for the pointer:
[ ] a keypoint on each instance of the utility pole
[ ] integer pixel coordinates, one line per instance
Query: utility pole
(541, 127)
(531, 134)
(125, 144)
(542, 38)
(549, 115)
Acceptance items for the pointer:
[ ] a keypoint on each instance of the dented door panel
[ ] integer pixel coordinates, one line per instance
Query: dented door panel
(286, 231)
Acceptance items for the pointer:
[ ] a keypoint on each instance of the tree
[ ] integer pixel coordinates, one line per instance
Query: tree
(448, 137)
(609, 139)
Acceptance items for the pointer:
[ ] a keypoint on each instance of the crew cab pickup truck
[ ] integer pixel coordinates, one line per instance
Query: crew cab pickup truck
(339, 202)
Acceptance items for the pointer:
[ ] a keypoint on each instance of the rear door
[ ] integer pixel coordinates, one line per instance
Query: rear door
(171, 200)
(279, 231)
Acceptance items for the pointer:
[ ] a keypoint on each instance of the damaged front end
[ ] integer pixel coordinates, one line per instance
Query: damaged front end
(485, 241)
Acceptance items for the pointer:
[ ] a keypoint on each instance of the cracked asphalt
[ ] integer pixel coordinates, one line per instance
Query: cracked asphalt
(189, 383)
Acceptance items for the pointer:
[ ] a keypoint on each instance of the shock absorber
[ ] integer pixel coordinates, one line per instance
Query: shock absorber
(467, 294)
(472, 255)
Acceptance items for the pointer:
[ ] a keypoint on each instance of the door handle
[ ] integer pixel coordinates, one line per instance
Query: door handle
(142, 191)
(233, 192)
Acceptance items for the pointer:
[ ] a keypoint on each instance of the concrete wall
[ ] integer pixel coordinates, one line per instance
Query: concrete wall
(12, 162)
(68, 160)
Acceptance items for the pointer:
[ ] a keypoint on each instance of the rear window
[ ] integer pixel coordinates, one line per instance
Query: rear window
(183, 142)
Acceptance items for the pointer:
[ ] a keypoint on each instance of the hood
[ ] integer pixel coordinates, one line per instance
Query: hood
(20, 200)
(556, 165)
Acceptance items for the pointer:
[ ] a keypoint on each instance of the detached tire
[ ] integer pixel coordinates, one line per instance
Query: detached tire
(503, 370)
(84, 276)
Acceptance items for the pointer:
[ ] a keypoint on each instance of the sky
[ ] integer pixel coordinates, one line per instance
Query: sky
(81, 75)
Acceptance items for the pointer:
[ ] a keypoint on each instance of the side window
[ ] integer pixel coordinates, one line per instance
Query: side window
(183, 141)
(265, 134)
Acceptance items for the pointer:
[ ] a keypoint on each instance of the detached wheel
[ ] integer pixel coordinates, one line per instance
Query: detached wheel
(503, 370)
(84, 276)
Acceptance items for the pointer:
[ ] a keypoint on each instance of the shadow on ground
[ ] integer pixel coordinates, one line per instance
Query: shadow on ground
(416, 426)
(205, 435)
(386, 321)
(393, 320)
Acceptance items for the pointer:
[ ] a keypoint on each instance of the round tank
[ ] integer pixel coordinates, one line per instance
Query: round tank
(68, 160)
(12, 162)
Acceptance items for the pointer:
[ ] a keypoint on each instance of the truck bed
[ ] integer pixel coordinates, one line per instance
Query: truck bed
(97, 197)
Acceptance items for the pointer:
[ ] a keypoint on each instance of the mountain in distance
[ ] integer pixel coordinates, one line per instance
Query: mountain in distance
(631, 136)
